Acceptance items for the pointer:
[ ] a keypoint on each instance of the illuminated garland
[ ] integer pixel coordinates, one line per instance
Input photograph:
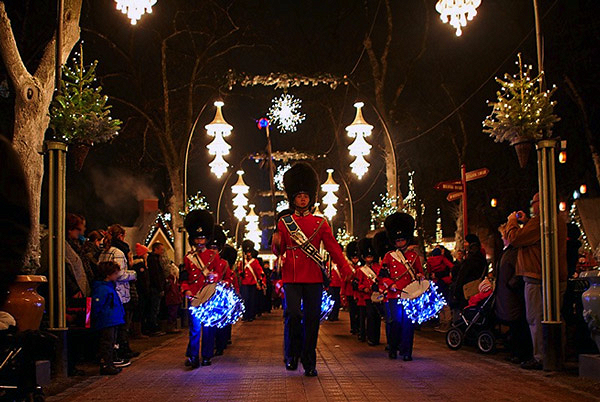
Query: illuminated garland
(424, 307)
(326, 305)
(224, 308)
(284, 80)
(161, 219)
(381, 211)
(574, 215)
(278, 177)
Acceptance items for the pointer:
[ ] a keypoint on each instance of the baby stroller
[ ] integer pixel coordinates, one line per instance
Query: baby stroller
(475, 324)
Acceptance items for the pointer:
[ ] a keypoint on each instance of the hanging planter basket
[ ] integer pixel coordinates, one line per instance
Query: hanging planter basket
(523, 149)
(79, 151)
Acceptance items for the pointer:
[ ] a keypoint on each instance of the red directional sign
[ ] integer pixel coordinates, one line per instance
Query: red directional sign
(454, 196)
(449, 186)
(477, 174)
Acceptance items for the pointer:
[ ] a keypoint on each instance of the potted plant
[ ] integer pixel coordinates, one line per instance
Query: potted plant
(80, 114)
(523, 113)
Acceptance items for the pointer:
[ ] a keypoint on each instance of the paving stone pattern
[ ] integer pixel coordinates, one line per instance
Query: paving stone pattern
(252, 370)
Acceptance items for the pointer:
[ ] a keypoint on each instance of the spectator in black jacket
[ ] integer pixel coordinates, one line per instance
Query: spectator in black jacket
(473, 267)
(156, 287)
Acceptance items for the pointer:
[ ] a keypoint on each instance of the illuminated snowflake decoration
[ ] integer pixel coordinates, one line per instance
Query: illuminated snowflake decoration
(285, 112)
(282, 205)
(278, 178)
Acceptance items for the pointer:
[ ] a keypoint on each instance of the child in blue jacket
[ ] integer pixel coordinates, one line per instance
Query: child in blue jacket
(107, 314)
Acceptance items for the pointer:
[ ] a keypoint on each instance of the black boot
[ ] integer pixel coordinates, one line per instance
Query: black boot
(291, 363)
(205, 362)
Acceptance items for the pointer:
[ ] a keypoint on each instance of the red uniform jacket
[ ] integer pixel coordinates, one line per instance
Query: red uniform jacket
(299, 267)
(365, 284)
(336, 277)
(399, 274)
(247, 277)
(347, 285)
(195, 278)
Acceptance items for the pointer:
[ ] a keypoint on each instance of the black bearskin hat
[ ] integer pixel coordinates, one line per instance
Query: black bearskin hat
(472, 239)
(301, 178)
(399, 226)
(229, 254)
(199, 223)
(381, 243)
(352, 250)
(219, 237)
(365, 246)
(248, 246)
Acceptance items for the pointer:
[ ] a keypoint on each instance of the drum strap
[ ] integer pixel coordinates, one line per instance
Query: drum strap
(369, 272)
(398, 255)
(203, 267)
(248, 265)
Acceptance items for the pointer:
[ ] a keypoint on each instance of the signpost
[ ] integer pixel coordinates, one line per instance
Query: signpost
(458, 189)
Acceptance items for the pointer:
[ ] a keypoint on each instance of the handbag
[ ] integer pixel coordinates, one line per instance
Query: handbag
(471, 288)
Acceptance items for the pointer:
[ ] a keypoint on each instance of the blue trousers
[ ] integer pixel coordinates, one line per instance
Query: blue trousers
(222, 336)
(249, 297)
(401, 329)
(208, 339)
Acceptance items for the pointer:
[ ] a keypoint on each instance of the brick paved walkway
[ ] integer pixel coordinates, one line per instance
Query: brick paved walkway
(252, 370)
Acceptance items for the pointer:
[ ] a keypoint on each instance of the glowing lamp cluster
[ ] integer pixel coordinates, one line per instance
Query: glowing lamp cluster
(359, 129)
(285, 112)
(240, 189)
(134, 9)
(224, 308)
(424, 307)
(330, 187)
(253, 232)
(218, 129)
(457, 12)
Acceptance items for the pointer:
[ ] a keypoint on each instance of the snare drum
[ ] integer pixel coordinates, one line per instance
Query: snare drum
(204, 295)
(415, 289)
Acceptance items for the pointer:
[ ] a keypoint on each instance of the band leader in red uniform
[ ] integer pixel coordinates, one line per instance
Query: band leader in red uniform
(302, 276)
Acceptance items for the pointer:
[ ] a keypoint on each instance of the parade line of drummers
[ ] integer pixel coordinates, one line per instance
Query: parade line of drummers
(368, 278)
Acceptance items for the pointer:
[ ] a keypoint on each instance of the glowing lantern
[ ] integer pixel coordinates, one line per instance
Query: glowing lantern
(218, 129)
(240, 189)
(562, 206)
(583, 189)
(457, 12)
(359, 129)
(330, 199)
(135, 8)
(562, 157)
(494, 203)
(253, 232)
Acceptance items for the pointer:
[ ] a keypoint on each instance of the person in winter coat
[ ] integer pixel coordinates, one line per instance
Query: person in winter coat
(116, 250)
(107, 314)
(91, 251)
(140, 312)
(510, 302)
(172, 298)
(156, 289)
(473, 267)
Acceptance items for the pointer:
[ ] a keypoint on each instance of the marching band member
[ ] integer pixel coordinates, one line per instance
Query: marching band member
(202, 265)
(334, 291)
(399, 268)
(222, 335)
(300, 236)
(229, 254)
(347, 290)
(251, 272)
(370, 318)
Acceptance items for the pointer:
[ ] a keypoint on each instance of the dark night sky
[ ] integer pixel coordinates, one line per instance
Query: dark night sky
(310, 37)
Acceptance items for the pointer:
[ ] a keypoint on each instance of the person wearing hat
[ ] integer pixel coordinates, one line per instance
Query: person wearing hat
(334, 291)
(299, 237)
(370, 317)
(402, 267)
(202, 265)
(251, 272)
(347, 291)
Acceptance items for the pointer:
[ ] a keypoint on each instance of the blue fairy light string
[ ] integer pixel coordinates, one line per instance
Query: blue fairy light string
(424, 307)
(224, 308)
(326, 305)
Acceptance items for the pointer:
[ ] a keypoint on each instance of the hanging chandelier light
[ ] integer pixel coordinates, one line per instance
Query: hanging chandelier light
(218, 129)
(253, 232)
(330, 199)
(134, 9)
(359, 129)
(457, 12)
(240, 189)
